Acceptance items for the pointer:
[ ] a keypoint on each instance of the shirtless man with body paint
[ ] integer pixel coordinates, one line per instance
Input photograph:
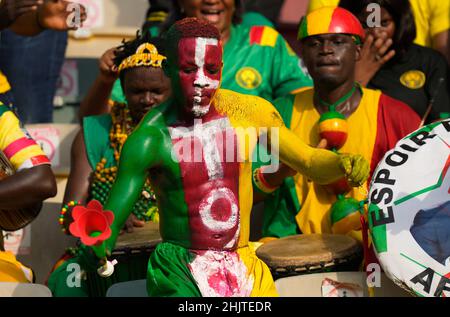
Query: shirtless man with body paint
(204, 199)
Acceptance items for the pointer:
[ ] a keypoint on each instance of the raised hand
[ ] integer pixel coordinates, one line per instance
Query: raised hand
(108, 70)
(374, 54)
(58, 15)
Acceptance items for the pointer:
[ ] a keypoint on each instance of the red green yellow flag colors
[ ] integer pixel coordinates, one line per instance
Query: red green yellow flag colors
(330, 20)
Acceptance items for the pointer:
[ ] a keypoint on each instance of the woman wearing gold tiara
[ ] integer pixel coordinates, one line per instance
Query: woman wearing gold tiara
(96, 148)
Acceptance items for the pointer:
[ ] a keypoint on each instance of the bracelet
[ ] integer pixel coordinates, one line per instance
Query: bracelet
(63, 212)
(261, 183)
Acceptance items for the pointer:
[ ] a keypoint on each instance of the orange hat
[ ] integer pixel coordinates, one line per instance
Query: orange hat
(328, 20)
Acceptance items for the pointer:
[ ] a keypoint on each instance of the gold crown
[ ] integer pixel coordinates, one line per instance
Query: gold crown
(146, 55)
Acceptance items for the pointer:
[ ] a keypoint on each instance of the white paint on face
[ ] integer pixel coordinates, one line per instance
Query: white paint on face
(206, 212)
(202, 81)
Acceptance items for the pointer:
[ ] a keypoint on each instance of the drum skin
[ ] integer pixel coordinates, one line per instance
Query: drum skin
(409, 211)
(312, 253)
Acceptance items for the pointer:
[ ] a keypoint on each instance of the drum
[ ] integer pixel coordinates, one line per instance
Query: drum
(132, 253)
(313, 253)
(15, 219)
(409, 211)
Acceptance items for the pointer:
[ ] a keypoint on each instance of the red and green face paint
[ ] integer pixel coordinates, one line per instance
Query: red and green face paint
(199, 73)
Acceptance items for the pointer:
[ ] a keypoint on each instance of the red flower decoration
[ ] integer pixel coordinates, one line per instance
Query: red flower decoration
(91, 224)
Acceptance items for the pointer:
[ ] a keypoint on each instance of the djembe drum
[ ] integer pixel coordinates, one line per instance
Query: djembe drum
(13, 220)
(132, 253)
(313, 253)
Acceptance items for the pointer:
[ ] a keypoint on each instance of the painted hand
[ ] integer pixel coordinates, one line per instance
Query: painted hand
(356, 169)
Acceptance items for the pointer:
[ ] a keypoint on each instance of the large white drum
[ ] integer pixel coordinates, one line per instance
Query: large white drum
(409, 211)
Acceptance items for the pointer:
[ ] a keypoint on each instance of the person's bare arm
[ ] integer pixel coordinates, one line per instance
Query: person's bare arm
(77, 187)
(97, 99)
(27, 187)
(441, 43)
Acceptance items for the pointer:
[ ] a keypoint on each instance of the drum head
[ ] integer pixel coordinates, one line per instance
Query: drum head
(312, 251)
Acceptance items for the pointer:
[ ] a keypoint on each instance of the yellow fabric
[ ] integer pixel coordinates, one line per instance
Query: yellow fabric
(317, 4)
(314, 216)
(9, 132)
(431, 17)
(323, 166)
(249, 115)
(12, 271)
(319, 22)
(269, 37)
(4, 84)
(263, 285)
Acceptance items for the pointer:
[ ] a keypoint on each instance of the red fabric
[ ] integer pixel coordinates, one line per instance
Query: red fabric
(256, 33)
(345, 22)
(395, 121)
(40, 160)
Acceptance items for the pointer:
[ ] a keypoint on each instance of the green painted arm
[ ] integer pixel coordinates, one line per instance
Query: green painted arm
(139, 153)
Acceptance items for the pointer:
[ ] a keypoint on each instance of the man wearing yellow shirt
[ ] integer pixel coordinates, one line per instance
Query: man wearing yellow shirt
(432, 19)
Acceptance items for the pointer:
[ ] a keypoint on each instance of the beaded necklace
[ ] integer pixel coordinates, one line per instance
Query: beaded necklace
(333, 127)
(104, 177)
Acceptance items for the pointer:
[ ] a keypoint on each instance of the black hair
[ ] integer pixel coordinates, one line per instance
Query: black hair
(400, 10)
(128, 48)
(185, 28)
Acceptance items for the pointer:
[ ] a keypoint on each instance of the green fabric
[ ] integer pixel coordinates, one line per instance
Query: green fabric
(96, 137)
(117, 94)
(250, 19)
(58, 281)
(3, 109)
(168, 273)
(279, 67)
(281, 206)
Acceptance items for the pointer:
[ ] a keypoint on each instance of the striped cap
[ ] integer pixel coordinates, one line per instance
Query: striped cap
(328, 20)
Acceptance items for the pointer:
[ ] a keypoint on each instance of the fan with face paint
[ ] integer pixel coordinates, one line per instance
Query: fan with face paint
(196, 70)
(205, 197)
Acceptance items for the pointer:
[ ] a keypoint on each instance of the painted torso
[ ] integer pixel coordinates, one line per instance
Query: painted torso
(200, 194)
